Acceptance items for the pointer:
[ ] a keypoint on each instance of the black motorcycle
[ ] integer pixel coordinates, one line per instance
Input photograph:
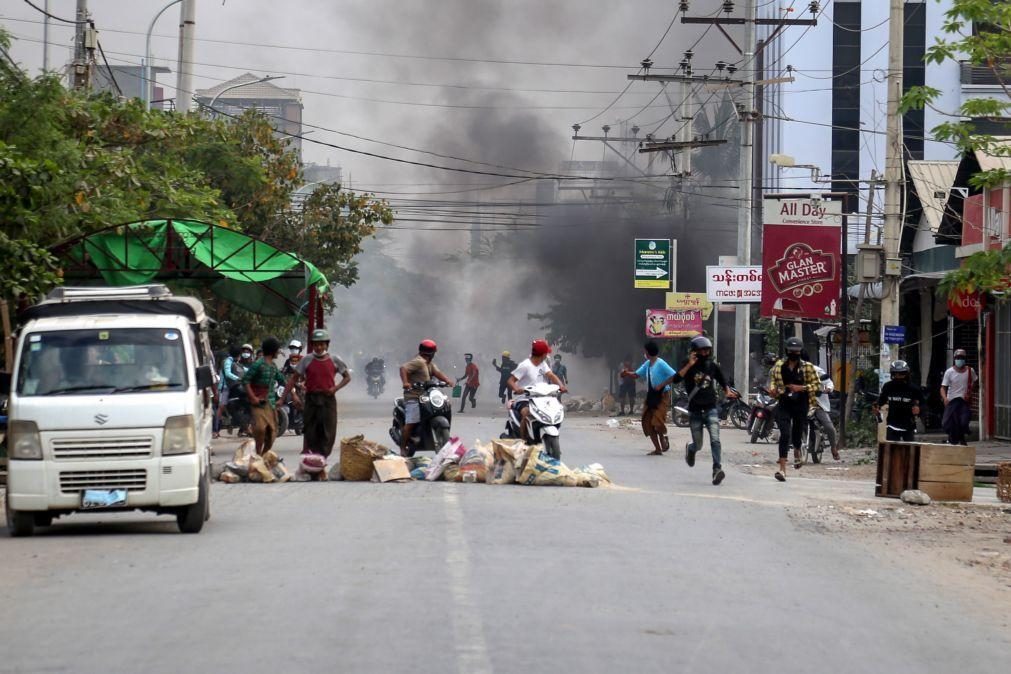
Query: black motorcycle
(679, 407)
(735, 409)
(376, 384)
(432, 431)
(762, 422)
(238, 414)
(294, 418)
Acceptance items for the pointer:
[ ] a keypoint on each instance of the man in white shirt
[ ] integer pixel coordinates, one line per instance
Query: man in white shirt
(533, 370)
(956, 392)
(821, 413)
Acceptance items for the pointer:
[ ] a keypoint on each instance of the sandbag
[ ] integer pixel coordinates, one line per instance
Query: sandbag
(258, 471)
(543, 470)
(591, 475)
(229, 477)
(451, 472)
(449, 454)
(281, 473)
(503, 472)
(270, 458)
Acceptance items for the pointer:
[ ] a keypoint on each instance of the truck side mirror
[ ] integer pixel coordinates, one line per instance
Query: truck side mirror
(205, 377)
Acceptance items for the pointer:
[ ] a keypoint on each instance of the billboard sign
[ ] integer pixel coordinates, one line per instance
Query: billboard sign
(690, 301)
(661, 323)
(653, 268)
(734, 283)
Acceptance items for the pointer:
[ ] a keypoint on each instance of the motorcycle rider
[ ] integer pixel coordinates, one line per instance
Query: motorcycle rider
(903, 402)
(797, 386)
(231, 376)
(699, 373)
(533, 370)
(294, 356)
(821, 412)
(505, 371)
(319, 372)
(418, 370)
(472, 375)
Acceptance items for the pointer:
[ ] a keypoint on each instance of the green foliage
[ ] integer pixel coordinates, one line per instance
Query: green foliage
(72, 163)
(27, 268)
(987, 271)
(988, 46)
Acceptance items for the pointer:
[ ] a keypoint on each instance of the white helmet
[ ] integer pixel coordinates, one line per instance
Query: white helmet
(295, 344)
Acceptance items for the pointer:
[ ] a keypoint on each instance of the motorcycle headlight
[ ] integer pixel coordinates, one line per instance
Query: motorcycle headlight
(438, 398)
(180, 436)
(24, 440)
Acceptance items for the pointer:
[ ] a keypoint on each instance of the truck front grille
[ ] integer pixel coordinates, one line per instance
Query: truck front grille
(103, 448)
(72, 481)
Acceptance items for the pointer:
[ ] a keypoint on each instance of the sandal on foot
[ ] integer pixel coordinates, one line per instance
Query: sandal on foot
(654, 453)
(780, 476)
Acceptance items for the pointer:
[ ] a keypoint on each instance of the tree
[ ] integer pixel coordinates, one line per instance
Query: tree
(978, 31)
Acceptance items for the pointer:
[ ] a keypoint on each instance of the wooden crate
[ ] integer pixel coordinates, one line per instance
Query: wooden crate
(944, 472)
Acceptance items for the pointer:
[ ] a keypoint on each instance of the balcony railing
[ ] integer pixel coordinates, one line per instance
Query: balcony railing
(981, 74)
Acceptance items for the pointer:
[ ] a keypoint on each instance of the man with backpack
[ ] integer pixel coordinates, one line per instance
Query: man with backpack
(701, 375)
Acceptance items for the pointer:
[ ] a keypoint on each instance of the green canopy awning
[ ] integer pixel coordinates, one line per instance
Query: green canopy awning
(240, 268)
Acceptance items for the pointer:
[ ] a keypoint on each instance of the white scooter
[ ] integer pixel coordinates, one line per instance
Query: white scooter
(543, 421)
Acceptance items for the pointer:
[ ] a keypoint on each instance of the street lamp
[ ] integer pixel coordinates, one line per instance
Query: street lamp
(268, 78)
(147, 55)
(787, 161)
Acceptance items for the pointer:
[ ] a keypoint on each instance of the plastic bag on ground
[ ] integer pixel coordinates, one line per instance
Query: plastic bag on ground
(335, 473)
(270, 458)
(281, 473)
(592, 475)
(258, 471)
(229, 477)
(449, 454)
(451, 472)
(314, 465)
(244, 452)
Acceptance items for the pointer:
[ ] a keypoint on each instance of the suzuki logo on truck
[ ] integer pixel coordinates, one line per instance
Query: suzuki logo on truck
(101, 419)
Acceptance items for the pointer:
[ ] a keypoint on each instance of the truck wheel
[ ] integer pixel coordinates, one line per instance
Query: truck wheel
(191, 518)
(44, 519)
(20, 523)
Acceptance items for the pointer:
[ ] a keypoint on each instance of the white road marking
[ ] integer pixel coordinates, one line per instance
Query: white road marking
(468, 630)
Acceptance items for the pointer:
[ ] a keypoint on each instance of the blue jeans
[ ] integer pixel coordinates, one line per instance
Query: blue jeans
(710, 419)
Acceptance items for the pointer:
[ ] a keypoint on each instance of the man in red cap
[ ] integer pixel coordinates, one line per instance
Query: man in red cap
(534, 370)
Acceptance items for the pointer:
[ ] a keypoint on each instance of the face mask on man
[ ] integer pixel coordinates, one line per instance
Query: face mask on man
(793, 356)
(960, 362)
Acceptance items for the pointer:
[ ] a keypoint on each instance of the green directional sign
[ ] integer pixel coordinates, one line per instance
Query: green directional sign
(653, 268)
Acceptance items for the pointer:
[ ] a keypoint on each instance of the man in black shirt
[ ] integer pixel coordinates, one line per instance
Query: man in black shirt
(903, 401)
(700, 375)
(505, 371)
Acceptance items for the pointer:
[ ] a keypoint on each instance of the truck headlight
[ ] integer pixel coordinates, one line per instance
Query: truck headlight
(180, 436)
(24, 440)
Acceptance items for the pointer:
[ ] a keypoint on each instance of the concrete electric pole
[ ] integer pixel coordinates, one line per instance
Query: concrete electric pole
(746, 112)
(893, 185)
(184, 65)
(85, 40)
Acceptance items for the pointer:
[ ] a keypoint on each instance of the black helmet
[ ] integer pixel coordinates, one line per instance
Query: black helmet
(701, 342)
(899, 367)
(794, 345)
(769, 359)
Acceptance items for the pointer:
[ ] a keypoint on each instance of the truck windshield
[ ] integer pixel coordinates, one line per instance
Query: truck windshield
(102, 362)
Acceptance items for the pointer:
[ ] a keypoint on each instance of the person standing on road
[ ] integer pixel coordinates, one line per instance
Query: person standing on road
(261, 380)
(903, 402)
(231, 376)
(700, 375)
(418, 370)
(505, 371)
(319, 408)
(472, 375)
(957, 388)
(796, 384)
(626, 389)
(655, 371)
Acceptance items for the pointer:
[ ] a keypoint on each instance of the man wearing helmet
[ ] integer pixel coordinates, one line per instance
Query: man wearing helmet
(505, 371)
(796, 384)
(418, 370)
(533, 370)
(294, 356)
(700, 375)
(903, 402)
(956, 392)
(319, 409)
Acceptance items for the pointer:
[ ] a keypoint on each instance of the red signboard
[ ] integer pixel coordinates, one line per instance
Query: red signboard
(965, 306)
(662, 323)
(802, 270)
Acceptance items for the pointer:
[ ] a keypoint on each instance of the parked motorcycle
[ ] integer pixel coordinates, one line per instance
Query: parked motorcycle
(762, 422)
(817, 440)
(432, 432)
(679, 407)
(735, 409)
(544, 420)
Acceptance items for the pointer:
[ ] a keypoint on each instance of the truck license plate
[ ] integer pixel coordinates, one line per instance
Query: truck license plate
(102, 498)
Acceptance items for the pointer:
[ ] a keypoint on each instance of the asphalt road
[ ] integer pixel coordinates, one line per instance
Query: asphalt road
(665, 573)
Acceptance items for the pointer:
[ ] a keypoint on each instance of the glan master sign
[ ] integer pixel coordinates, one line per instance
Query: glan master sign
(653, 268)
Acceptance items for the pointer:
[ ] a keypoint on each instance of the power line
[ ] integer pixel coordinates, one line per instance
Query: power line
(112, 75)
(55, 18)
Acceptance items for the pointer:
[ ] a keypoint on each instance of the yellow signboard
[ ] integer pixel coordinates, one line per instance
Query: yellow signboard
(690, 302)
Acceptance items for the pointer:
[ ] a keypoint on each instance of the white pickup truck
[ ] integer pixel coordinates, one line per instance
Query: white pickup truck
(110, 407)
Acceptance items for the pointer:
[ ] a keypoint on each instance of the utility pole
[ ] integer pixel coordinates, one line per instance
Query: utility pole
(893, 185)
(746, 113)
(45, 38)
(187, 46)
(85, 40)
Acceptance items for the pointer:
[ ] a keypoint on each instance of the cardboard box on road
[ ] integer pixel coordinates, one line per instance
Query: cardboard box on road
(391, 470)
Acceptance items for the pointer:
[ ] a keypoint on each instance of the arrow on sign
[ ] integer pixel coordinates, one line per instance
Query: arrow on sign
(655, 273)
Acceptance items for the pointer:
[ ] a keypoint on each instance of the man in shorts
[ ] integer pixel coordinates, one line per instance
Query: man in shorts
(418, 370)
(261, 380)
(534, 370)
